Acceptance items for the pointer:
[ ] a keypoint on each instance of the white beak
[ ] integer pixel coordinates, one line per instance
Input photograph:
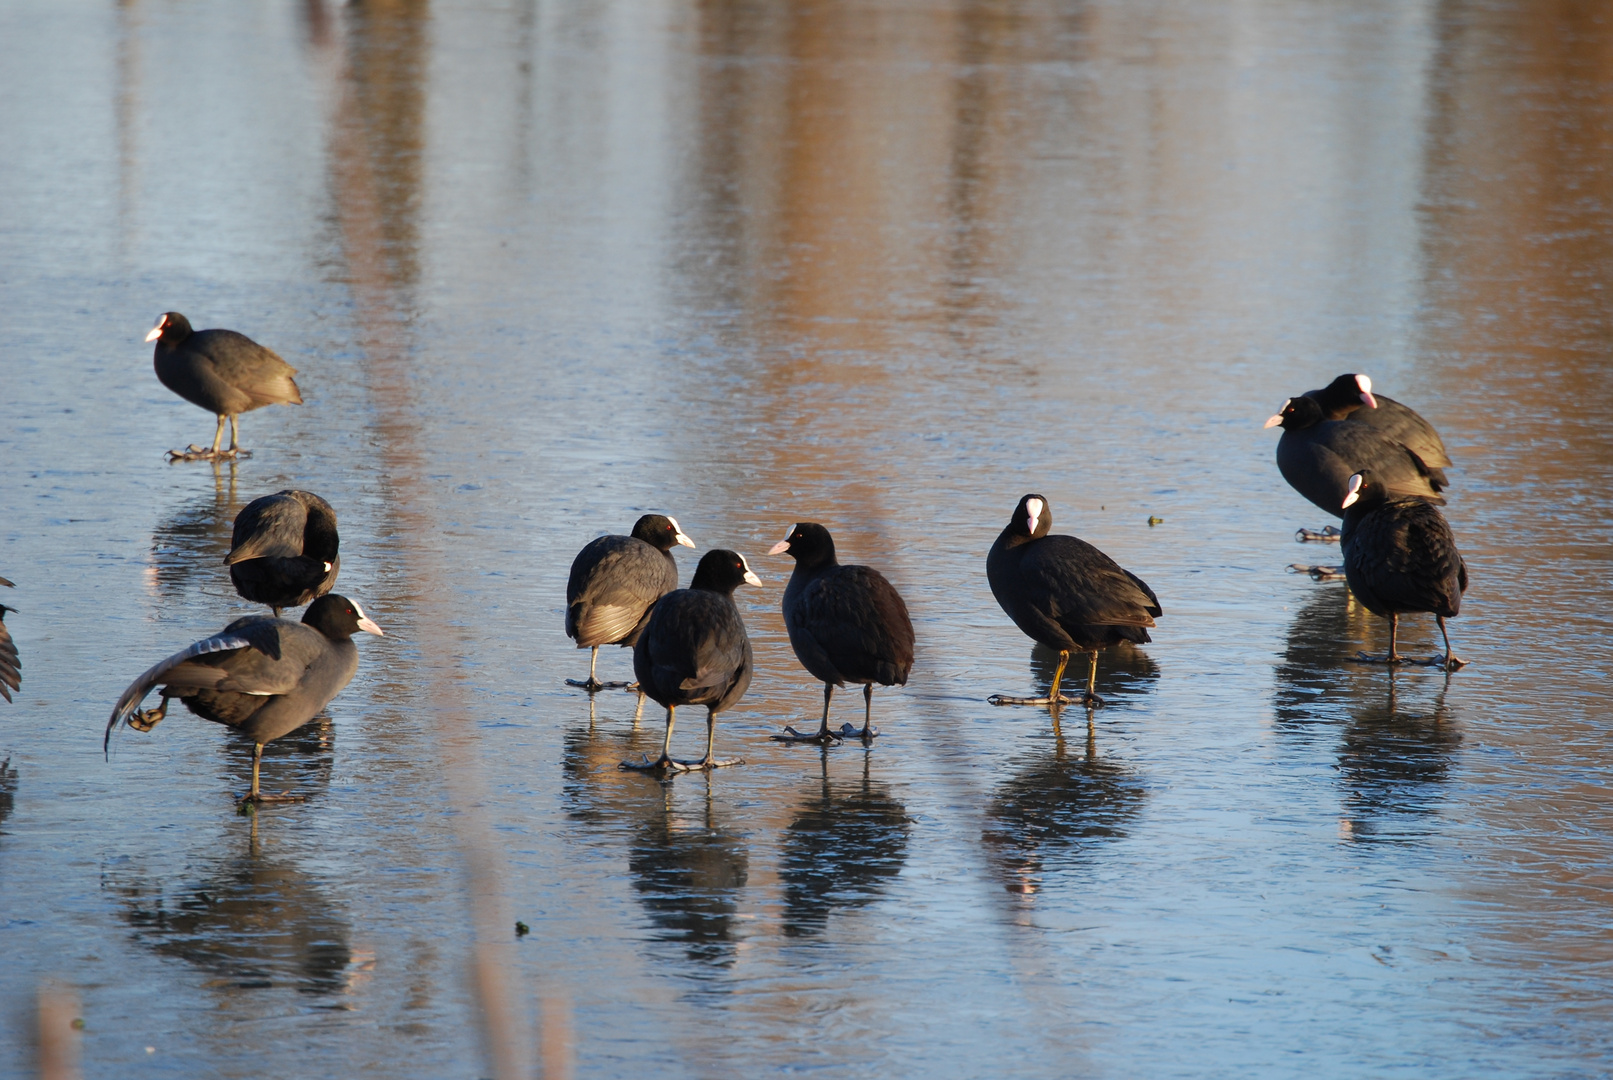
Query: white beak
(1033, 512)
(155, 333)
(677, 533)
(779, 548)
(750, 575)
(369, 627)
(1354, 492)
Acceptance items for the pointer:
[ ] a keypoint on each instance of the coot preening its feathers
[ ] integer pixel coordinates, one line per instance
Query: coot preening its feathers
(614, 582)
(264, 677)
(694, 651)
(10, 665)
(1400, 556)
(846, 624)
(1318, 456)
(1350, 397)
(224, 372)
(1066, 594)
(283, 550)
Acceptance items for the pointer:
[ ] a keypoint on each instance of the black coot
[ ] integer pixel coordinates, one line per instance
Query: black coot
(694, 651)
(1400, 556)
(283, 550)
(846, 624)
(1350, 397)
(1318, 456)
(614, 582)
(10, 665)
(264, 677)
(1066, 594)
(224, 372)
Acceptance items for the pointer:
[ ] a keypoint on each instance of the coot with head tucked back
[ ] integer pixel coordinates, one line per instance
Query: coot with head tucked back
(1318, 456)
(1350, 397)
(224, 372)
(694, 651)
(10, 665)
(1066, 594)
(283, 551)
(1400, 556)
(264, 677)
(614, 582)
(846, 624)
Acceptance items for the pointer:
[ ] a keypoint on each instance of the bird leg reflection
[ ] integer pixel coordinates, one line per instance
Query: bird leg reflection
(823, 734)
(255, 796)
(869, 732)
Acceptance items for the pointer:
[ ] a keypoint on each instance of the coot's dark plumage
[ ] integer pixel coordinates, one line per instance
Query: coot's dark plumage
(1065, 593)
(1350, 397)
(694, 651)
(224, 372)
(264, 677)
(1399, 557)
(1318, 456)
(283, 551)
(846, 624)
(614, 582)
(10, 665)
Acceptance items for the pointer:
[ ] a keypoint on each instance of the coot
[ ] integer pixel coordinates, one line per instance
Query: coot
(1066, 594)
(1318, 456)
(694, 651)
(224, 372)
(10, 665)
(846, 624)
(264, 677)
(614, 582)
(283, 550)
(1400, 556)
(1350, 397)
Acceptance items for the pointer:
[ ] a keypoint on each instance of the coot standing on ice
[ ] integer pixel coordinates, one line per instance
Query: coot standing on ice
(1399, 557)
(283, 551)
(10, 665)
(1350, 397)
(846, 624)
(224, 372)
(694, 651)
(1318, 456)
(614, 582)
(1066, 594)
(264, 677)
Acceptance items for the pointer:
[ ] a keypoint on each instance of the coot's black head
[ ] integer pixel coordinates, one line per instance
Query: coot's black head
(1346, 394)
(1032, 519)
(1364, 491)
(660, 532)
(172, 327)
(1298, 413)
(337, 617)
(809, 544)
(723, 571)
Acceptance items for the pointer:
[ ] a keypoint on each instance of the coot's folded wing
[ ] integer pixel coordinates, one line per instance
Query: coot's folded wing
(269, 528)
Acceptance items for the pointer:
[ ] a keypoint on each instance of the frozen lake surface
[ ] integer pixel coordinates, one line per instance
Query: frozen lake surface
(888, 266)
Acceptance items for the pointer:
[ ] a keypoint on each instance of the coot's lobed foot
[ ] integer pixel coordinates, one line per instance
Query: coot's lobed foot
(827, 738)
(1318, 573)
(1328, 535)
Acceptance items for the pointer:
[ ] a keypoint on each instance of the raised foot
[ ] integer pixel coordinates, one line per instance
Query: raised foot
(867, 734)
(202, 453)
(594, 686)
(822, 735)
(673, 765)
(1318, 573)
(146, 719)
(1329, 535)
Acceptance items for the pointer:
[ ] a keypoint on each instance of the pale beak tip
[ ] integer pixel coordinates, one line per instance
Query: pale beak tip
(779, 548)
(156, 332)
(369, 627)
(1274, 421)
(685, 541)
(1371, 402)
(751, 578)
